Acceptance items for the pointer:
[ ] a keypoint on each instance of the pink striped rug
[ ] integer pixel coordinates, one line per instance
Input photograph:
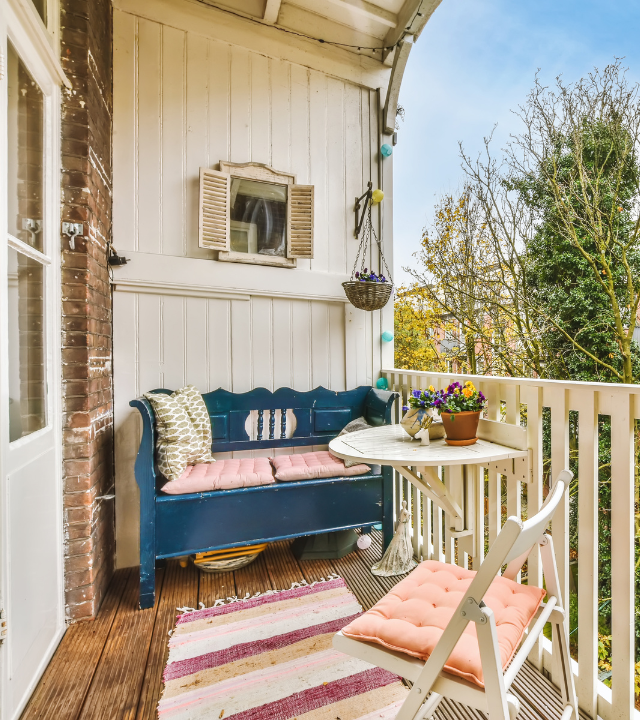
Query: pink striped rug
(271, 658)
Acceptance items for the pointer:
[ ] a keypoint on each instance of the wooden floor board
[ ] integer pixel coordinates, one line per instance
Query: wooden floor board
(64, 684)
(282, 565)
(358, 576)
(253, 579)
(179, 589)
(316, 570)
(117, 683)
(112, 667)
(215, 586)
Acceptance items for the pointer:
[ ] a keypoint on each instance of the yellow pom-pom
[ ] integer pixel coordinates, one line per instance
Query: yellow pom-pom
(377, 196)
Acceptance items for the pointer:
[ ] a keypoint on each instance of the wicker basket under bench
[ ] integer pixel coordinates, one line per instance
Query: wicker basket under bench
(175, 525)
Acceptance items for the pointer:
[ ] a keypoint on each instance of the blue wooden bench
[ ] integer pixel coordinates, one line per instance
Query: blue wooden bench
(175, 525)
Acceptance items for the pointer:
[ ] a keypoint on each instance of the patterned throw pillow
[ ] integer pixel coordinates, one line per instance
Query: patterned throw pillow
(183, 430)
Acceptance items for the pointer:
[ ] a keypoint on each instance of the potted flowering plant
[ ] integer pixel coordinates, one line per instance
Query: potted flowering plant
(460, 407)
(418, 413)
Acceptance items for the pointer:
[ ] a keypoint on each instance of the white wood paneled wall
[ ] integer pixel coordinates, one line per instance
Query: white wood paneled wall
(183, 100)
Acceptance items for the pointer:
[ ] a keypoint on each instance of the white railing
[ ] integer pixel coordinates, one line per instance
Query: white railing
(520, 401)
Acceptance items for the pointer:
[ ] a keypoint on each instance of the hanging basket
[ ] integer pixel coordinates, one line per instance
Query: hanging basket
(368, 295)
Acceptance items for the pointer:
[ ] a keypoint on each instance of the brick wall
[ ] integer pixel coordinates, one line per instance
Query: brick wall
(86, 323)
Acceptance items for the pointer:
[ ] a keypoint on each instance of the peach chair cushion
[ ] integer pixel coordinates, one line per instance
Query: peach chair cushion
(412, 617)
(313, 465)
(222, 475)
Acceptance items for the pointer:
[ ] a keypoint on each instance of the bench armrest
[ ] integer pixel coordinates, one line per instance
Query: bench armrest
(145, 468)
(378, 405)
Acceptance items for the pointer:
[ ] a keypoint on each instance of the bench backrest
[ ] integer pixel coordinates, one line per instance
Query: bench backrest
(320, 415)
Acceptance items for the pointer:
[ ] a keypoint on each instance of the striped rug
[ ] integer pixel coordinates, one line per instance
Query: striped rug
(271, 658)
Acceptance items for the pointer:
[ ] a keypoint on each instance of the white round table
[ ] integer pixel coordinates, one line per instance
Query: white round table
(460, 495)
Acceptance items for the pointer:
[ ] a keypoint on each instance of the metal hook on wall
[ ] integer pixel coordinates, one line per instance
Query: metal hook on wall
(360, 216)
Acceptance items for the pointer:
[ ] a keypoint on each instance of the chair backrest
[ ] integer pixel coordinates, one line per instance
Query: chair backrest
(534, 527)
(319, 414)
(515, 540)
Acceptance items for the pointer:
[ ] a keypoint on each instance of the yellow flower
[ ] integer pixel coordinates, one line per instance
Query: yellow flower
(431, 388)
(456, 391)
(467, 392)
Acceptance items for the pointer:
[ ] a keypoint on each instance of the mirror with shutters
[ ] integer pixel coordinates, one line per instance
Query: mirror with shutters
(252, 213)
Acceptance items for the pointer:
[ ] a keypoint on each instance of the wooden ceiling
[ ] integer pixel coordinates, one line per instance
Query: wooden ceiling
(368, 27)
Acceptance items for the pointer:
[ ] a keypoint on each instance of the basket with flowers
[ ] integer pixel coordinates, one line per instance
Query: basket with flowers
(368, 291)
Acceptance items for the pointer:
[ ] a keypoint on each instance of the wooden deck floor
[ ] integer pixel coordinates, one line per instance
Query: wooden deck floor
(111, 668)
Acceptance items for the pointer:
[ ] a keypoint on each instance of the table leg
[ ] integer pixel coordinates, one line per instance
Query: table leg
(455, 486)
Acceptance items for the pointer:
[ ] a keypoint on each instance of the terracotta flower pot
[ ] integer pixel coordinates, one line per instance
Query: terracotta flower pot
(461, 428)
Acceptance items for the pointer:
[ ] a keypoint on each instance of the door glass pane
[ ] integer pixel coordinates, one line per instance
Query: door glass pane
(26, 153)
(258, 217)
(41, 7)
(26, 345)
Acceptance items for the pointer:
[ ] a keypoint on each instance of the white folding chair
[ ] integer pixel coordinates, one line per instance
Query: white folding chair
(431, 682)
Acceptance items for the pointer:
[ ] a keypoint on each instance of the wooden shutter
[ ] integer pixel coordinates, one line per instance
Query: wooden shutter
(300, 221)
(214, 210)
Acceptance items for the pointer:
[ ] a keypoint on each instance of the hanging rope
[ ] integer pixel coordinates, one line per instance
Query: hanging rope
(366, 241)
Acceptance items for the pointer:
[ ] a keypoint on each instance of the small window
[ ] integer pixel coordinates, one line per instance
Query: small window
(251, 213)
(258, 217)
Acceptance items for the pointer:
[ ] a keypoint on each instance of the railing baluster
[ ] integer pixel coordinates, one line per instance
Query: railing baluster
(283, 424)
(272, 424)
(556, 399)
(437, 534)
(427, 547)
(415, 519)
(586, 403)
(511, 395)
(532, 397)
(621, 409)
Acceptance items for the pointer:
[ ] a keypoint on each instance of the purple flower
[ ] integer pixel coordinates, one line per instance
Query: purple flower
(416, 393)
(366, 270)
(422, 403)
(405, 408)
(357, 274)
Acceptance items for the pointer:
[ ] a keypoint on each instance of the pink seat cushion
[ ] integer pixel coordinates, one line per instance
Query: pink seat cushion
(313, 465)
(412, 617)
(222, 475)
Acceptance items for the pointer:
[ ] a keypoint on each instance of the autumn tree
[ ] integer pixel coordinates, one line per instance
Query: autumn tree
(471, 270)
(418, 331)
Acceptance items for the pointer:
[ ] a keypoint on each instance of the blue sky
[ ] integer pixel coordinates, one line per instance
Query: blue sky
(473, 63)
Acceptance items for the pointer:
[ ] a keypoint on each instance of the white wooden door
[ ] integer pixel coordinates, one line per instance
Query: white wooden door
(31, 559)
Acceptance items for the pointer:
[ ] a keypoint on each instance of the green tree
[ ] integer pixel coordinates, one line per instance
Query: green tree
(576, 167)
